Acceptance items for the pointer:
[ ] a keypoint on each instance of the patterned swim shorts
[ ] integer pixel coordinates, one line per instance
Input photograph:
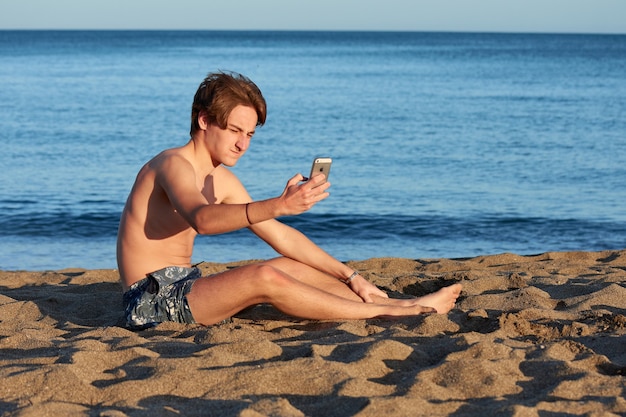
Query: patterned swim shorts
(161, 296)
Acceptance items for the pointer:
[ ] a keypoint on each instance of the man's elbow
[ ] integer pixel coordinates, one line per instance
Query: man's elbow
(209, 224)
(199, 222)
(204, 226)
(204, 230)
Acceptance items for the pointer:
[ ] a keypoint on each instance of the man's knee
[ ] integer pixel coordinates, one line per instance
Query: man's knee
(269, 276)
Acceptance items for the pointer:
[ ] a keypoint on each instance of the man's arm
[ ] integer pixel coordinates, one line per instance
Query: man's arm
(227, 206)
(183, 188)
(293, 244)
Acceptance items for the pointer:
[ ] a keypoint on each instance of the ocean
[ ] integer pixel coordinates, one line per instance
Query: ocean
(444, 144)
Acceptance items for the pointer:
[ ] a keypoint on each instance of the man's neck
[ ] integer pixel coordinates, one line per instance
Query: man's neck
(202, 160)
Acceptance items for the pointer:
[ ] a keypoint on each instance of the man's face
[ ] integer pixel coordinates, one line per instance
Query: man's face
(232, 142)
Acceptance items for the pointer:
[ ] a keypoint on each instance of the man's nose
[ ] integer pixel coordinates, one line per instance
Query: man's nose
(244, 142)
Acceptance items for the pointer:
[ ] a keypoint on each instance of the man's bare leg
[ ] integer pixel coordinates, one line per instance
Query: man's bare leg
(442, 301)
(215, 298)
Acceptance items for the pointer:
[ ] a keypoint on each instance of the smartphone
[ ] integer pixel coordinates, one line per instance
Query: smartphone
(321, 166)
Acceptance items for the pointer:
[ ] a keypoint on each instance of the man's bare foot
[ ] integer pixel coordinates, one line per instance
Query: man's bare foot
(442, 300)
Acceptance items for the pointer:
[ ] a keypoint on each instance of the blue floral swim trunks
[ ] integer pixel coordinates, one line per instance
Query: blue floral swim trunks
(161, 296)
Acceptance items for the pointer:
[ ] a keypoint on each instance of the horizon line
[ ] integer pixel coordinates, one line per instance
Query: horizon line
(458, 31)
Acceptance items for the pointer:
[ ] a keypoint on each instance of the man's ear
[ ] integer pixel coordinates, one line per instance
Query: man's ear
(203, 120)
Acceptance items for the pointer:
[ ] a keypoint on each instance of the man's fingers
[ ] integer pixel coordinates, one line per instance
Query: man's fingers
(295, 180)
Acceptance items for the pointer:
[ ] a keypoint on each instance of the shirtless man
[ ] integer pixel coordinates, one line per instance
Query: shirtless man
(186, 191)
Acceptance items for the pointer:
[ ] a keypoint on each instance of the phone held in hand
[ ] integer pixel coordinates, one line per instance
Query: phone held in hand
(321, 165)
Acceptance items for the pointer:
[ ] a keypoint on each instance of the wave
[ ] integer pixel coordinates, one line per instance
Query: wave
(494, 228)
(60, 224)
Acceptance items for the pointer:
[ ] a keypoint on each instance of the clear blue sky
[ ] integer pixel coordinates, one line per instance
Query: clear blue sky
(573, 16)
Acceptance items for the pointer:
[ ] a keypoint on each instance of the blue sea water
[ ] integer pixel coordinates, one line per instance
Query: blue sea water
(444, 144)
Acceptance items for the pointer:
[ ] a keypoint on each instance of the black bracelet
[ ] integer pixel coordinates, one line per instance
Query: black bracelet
(247, 216)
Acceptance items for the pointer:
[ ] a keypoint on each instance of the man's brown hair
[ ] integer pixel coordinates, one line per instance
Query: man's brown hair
(220, 92)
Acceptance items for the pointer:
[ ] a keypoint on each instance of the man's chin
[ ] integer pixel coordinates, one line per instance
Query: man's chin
(231, 163)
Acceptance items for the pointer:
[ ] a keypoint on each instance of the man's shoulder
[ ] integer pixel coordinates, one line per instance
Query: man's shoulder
(171, 153)
(227, 186)
(223, 172)
(167, 158)
(225, 177)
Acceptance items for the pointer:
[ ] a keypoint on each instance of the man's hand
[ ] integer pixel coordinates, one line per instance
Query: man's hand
(366, 290)
(299, 196)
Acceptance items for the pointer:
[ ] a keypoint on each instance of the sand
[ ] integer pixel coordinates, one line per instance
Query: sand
(539, 335)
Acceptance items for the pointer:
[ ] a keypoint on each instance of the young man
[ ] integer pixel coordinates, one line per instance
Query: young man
(186, 191)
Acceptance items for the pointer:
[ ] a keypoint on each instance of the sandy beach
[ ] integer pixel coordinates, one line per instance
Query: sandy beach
(540, 335)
